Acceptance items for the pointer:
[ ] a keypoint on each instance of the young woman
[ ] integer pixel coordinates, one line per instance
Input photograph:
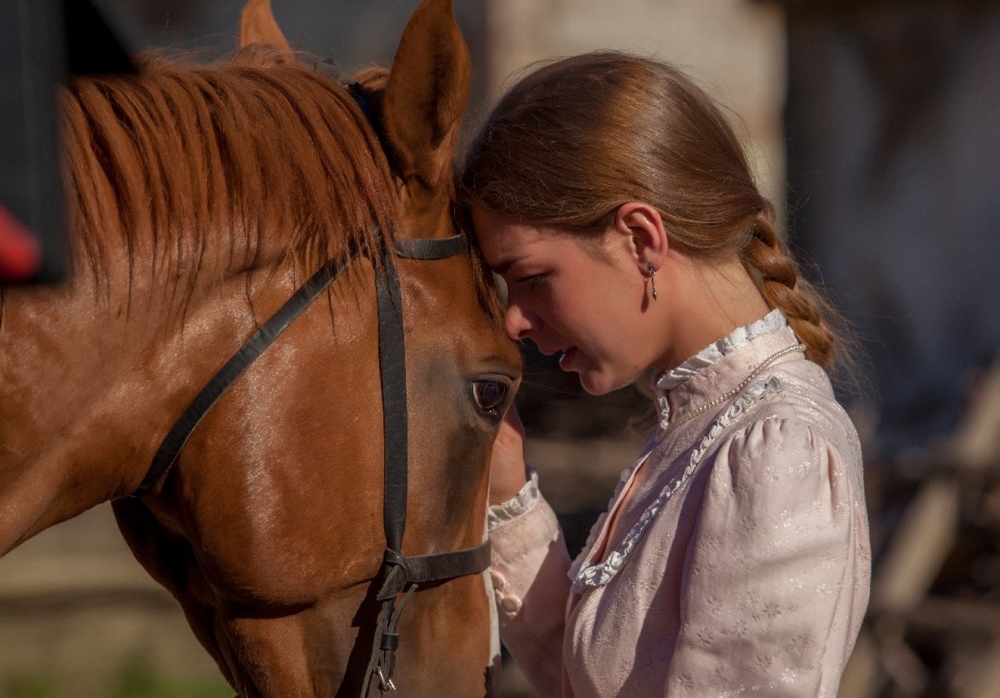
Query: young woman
(614, 199)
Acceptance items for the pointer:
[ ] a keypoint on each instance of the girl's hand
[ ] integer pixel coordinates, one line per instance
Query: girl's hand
(507, 469)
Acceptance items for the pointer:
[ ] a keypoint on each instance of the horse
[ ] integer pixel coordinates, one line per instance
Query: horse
(200, 198)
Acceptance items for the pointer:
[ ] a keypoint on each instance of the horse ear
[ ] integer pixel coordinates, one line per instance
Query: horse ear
(258, 26)
(426, 93)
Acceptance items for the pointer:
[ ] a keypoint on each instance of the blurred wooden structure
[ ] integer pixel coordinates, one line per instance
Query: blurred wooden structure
(933, 626)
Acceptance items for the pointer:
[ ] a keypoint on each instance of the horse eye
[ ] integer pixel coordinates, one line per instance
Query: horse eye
(489, 394)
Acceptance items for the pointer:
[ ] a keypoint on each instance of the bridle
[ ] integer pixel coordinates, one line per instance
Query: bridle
(400, 575)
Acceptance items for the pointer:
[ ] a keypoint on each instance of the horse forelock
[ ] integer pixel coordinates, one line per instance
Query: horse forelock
(186, 170)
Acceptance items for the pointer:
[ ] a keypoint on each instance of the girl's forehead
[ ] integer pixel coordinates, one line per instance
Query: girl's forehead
(505, 240)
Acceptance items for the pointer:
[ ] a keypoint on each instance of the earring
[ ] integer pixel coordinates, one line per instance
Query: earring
(652, 278)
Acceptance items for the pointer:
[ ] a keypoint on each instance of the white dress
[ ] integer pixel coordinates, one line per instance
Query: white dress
(739, 560)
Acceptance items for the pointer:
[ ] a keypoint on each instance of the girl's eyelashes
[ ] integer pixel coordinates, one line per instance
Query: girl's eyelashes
(529, 281)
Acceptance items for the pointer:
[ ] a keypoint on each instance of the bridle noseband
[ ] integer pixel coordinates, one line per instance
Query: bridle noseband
(399, 575)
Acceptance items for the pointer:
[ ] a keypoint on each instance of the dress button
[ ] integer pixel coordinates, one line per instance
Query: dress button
(499, 583)
(511, 604)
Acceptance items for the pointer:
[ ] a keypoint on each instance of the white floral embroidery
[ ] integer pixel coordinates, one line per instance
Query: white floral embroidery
(602, 573)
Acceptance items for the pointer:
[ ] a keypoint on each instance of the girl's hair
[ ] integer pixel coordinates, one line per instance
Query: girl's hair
(576, 139)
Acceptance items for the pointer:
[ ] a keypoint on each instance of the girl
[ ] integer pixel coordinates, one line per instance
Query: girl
(617, 204)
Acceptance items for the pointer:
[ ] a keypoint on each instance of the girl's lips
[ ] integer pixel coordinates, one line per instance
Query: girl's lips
(566, 359)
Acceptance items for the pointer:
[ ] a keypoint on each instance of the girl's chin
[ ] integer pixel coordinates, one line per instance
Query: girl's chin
(596, 383)
(593, 379)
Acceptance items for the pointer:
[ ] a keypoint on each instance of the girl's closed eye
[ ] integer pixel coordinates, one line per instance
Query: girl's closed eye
(531, 280)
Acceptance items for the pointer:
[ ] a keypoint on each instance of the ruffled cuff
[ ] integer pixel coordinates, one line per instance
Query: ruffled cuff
(517, 506)
(528, 574)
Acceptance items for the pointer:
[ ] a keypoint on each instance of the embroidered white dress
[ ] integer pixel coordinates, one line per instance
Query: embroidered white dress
(739, 559)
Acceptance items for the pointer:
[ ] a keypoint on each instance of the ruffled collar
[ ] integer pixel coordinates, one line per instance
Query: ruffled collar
(740, 337)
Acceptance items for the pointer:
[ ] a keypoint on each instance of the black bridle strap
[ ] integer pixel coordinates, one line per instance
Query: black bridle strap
(392, 366)
(400, 575)
(259, 341)
(437, 567)
(430, 248)
(398, 570)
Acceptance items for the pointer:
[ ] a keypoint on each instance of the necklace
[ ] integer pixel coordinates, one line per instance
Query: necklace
(670, 428)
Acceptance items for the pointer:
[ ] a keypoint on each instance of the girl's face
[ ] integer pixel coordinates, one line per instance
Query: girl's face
(585, 299)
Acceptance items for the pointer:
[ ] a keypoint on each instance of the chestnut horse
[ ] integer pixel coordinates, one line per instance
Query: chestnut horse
(200, 199)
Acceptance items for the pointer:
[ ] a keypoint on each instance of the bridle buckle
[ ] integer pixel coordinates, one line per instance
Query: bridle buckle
(383, 684)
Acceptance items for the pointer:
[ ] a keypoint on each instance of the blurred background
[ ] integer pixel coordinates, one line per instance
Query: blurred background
(875, 129)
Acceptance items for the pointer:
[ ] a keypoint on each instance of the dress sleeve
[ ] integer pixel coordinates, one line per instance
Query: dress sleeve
(528, 570)
(777, 574)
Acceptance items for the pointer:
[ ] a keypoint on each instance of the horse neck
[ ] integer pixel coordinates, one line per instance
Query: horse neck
(92, 371)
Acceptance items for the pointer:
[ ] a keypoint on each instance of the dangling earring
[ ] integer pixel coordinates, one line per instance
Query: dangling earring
(652, 278)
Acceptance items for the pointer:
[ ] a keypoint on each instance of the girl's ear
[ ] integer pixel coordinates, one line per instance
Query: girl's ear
(643, 225)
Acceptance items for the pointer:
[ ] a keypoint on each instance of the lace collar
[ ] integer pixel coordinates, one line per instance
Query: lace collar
(740, 337)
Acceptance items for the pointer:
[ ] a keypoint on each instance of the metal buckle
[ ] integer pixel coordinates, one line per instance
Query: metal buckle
(384, 685)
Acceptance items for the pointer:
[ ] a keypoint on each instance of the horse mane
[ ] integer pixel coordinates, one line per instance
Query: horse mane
(219, 169)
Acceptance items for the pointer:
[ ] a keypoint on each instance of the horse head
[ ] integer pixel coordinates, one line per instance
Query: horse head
(200, 199)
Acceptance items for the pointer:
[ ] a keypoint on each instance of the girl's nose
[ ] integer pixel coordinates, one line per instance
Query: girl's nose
(519, 322)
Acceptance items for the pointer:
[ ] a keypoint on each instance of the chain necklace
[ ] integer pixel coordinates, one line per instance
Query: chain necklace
(670, 428)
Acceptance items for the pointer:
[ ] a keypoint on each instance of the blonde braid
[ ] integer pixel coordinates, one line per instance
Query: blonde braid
(777, 275)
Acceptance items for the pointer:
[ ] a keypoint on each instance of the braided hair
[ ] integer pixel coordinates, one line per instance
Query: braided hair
(781, 284)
